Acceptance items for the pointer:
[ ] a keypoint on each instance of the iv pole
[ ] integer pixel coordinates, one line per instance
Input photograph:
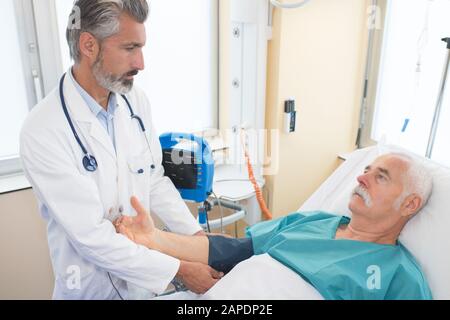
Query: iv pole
(437, 111)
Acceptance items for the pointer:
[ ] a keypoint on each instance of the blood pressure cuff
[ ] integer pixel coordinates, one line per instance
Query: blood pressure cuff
(225, 253)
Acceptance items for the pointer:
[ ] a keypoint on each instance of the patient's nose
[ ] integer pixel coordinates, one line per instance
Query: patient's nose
(362, 180)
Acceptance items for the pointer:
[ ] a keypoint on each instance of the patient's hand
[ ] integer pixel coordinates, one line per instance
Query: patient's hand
(139, 229)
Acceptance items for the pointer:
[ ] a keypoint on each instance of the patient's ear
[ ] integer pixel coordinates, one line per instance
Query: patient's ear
(411, 205)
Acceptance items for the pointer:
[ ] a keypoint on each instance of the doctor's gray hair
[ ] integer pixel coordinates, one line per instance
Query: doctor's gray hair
(101, 19)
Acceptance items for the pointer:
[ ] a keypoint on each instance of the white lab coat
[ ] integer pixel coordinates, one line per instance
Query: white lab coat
(79, 206)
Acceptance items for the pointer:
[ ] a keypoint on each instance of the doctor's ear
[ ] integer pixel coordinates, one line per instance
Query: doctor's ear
(89, 46)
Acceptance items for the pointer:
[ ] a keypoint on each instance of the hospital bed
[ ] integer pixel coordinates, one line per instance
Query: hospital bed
(426, 236)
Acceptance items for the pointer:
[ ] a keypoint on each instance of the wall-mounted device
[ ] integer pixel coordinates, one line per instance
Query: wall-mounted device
(290, 116)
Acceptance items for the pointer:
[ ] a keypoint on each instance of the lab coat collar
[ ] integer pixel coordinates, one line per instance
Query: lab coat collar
(74, 102)
(95, 107)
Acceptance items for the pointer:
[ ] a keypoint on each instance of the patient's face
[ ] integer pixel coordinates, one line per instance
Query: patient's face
(379, 187)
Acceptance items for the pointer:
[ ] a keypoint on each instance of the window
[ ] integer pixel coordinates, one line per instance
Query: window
(19, 82)
(410, 67)
(181, 76)
(181, 58)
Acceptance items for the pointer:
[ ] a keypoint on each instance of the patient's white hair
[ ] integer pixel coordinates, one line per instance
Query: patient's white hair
(418, 180)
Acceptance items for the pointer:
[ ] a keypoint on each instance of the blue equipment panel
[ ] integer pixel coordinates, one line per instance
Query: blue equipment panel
(188, 162)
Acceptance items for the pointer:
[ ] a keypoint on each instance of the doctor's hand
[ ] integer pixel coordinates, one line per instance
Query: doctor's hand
(139, 229)
(197, 277)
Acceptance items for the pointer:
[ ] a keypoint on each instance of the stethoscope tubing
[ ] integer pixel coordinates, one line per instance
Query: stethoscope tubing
(89, 161)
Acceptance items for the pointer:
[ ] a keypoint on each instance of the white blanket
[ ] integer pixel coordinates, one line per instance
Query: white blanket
(258, 278)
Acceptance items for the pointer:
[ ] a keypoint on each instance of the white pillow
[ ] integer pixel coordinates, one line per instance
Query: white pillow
(426, 236)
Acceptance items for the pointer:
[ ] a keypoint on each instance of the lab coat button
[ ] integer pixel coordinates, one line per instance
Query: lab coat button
(121, 209)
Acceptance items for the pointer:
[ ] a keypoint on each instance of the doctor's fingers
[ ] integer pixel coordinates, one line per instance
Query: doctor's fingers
(201, 285)
(216, 274)
(208, 284)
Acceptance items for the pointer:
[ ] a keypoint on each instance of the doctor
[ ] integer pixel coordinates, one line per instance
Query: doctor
(88, 147)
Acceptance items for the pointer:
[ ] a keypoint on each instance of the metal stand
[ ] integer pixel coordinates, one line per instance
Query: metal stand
(438, 109)
(224, 221)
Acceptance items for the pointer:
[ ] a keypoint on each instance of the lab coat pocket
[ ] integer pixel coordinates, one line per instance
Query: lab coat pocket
(140, 170)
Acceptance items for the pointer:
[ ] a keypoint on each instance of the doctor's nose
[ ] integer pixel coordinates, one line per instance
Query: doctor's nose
(138, 62)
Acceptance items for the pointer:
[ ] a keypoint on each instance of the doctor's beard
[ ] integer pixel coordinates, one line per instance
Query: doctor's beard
(114, 83)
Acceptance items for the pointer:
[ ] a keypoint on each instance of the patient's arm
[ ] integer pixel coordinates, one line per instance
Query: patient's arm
(221, 253)
(141, 230)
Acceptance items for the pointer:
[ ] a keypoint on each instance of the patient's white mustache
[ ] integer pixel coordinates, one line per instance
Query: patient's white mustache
(359, 190)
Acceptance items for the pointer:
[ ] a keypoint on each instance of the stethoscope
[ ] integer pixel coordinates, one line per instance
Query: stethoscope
(89, 161)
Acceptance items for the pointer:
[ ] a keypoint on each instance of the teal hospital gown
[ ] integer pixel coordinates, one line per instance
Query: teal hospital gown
(339, 269)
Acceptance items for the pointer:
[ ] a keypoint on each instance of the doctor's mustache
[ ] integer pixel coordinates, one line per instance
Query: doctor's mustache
(132, 73)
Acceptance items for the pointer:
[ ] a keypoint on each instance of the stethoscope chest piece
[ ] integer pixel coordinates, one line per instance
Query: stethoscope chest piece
(90, 163)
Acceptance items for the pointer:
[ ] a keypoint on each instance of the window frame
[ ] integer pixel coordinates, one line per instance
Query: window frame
(46, 23)
(11, 165)
(373, 72)
(371, 78)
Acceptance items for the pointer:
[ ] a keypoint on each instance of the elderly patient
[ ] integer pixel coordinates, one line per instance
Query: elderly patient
(342, 258)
